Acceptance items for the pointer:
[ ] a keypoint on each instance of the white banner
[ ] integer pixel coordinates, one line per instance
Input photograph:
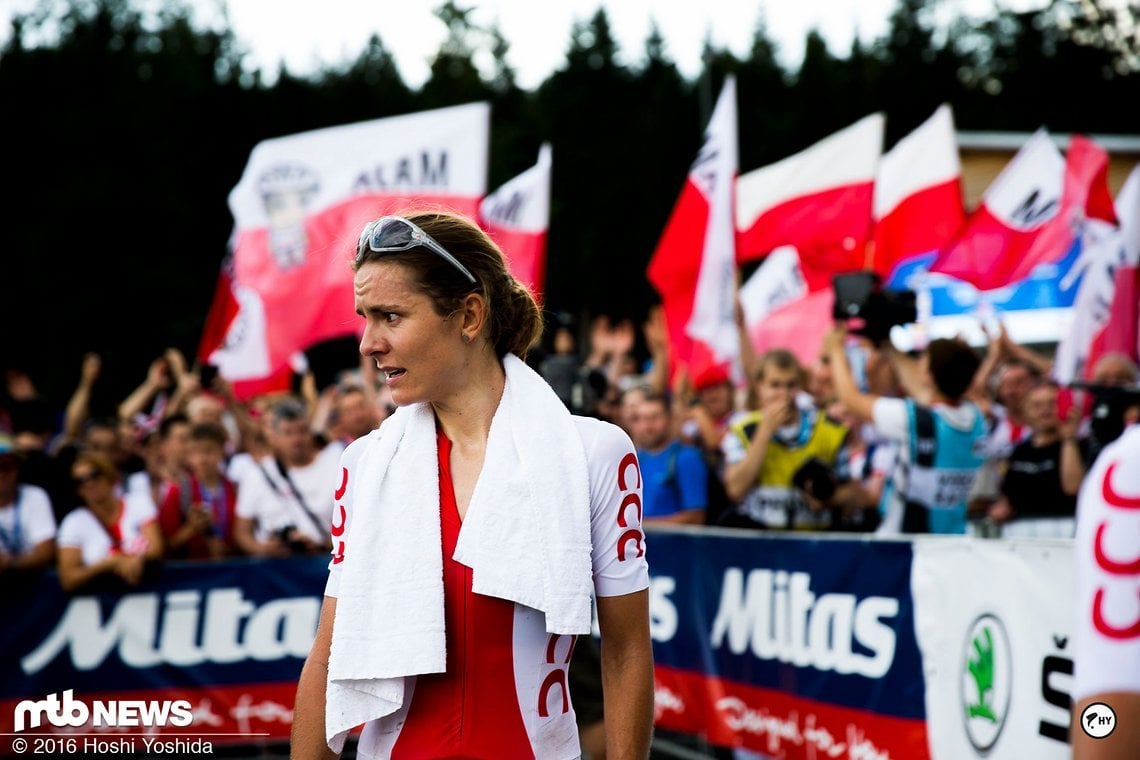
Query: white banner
(298, 211)
(995, 622)
(437, 153)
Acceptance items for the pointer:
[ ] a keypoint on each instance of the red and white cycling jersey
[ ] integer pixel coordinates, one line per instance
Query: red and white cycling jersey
(1107, 554)
(505, 691)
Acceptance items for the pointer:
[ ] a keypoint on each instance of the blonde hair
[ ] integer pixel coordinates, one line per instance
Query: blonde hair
(780, 358)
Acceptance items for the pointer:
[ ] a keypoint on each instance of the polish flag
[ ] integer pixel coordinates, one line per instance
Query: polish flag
(298, 211)
(818, 200)
(779, 310)
(694, 266)
(517, 217)
(918, 195)
(1106, 307)
(247, 370)
(1031, 214)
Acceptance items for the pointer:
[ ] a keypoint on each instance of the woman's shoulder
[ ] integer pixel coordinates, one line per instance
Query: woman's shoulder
(78, 519)
(601, 437)
(353, 451)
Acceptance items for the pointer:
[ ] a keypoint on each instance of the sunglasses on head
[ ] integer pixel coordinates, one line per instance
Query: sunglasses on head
(390, 234)
(86, 478)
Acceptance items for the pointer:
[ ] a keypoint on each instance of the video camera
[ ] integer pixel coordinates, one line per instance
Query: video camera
(1109, 403)
(860, 295)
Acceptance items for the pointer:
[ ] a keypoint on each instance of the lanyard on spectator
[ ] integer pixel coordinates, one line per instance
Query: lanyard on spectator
(294, 492)
(114, 532)
(216, 500)
(12, 542)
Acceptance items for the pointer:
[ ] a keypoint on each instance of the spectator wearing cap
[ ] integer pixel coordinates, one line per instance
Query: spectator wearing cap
(707, 408)
(27, 523)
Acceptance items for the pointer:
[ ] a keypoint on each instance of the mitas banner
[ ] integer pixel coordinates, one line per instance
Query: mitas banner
(298, 211)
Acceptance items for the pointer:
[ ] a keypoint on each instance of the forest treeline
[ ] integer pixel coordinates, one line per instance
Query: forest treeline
(124, 132)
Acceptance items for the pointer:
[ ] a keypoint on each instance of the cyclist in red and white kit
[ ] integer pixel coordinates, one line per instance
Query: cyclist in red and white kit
(1106, 668)
(441, 316)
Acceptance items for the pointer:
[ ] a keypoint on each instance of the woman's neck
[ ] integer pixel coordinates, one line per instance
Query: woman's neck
(105, 509)
(466, 415)
(209, 479)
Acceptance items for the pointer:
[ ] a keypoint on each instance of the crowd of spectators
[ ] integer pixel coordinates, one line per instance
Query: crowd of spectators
(951, 439)
(180, 472)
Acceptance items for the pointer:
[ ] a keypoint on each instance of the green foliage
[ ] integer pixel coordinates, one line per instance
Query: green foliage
(126, 131)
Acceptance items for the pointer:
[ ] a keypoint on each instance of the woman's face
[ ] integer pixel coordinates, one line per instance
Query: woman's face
(90, 484)
(779, 386)
(421, 352)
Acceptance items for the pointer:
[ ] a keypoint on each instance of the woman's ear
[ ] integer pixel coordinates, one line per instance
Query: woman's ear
(474, 313)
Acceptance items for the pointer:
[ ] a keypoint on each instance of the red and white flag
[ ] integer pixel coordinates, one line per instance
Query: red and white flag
(1031, 214)
(1105, 311)
(694, 266)
(517, 217)
(298, 211)
(818, 200)
(780, 312)
(918, 194)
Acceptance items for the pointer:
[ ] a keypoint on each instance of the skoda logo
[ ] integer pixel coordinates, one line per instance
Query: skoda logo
(985, 681)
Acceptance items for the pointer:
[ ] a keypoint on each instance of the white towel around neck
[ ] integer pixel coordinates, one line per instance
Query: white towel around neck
(526, 537)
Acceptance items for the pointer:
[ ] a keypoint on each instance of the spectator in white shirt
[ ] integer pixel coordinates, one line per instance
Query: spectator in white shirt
(285, 502)
(27, 524)
(108, 536)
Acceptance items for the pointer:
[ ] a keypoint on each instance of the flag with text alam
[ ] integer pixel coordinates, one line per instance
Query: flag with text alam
(818, 200)
(1031, 214)
(694, 266)
(1106, 307)
(298, 211)
(517, 217)
(918, 196)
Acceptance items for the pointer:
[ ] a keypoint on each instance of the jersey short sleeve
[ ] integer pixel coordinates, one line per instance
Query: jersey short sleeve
(40, 521)
(731, 446)
(1105, 551)
(693, 478)
(253, 491)
(891, 419)
(615, 509)
(342, 509)
(81, 530)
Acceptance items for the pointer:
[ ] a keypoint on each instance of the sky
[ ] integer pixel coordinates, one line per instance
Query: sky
(306, 34)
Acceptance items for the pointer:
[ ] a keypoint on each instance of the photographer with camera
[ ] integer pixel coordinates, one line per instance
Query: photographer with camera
(940, 440)
(285, 502)
(786, 466)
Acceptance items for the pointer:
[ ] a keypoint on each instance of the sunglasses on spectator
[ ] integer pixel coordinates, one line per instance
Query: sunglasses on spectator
(390, 234)
(85, 478)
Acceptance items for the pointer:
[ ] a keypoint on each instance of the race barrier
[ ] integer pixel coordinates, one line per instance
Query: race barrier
(790, 646)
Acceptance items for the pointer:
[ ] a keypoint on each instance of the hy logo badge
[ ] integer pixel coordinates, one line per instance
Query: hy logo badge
(986, 681)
